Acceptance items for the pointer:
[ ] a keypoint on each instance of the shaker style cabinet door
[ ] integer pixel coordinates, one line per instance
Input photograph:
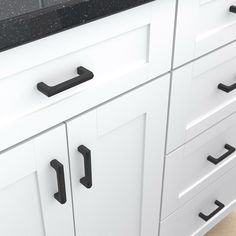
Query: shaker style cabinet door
(29, 177)
(116, 158)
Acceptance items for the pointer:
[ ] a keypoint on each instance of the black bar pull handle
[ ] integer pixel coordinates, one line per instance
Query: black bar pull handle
(232, 9)
(87, 179)
(227, 88)
(216, 161)
(208, 217)
(84, 75)
(60, 196)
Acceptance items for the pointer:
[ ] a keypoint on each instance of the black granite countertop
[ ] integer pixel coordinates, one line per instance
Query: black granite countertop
(23, 21)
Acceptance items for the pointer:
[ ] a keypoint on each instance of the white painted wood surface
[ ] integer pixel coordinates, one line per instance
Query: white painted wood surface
(123, 124)
(27, 186)
(186, 221)
(202, 26)
(126, 137)
(196, 102)
(187, 169)
(125, 55)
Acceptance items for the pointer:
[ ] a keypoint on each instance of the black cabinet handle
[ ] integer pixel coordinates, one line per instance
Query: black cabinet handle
(84, 75)
(216, 161)
(232, 9)
(220, 207)
(227, 88)
(60, 196)
(87, 179)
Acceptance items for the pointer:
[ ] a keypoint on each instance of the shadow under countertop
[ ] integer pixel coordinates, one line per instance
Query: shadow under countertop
(48, 20)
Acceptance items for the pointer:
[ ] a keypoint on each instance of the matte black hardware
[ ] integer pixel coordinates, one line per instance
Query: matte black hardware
(216, 161)
(232, 9)
(60, 196)
(84, 75)
(87, 179)
(227, 88)
(208, 217)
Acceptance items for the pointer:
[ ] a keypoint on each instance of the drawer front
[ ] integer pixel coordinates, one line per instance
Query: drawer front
(202, 26)
(105, 60)
(196, 101)
(191, 168)
(186, 221)
(127, 53)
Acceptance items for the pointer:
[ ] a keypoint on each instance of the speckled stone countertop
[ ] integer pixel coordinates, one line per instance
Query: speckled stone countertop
(23, 21)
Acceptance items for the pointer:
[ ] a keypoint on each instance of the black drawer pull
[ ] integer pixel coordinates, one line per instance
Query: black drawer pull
(232, 9)
(216, 161)
(84, 75)
(227, 88)
(220, 207)
(87, 179)
(60, 196)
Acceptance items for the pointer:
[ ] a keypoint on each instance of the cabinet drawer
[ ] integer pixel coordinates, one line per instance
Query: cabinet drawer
(192, 167)
(186, 221)
(196, 101)
(202, 26)
(122, 51)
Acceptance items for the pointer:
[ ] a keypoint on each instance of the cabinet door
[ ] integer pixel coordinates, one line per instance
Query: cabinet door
(27, 187)
(124, 139)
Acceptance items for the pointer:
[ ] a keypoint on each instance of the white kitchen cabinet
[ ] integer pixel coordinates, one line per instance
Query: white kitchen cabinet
(88, 159)
(28, 184)
(197, 164)
(122, 51)
(205, 210)
(116, 158)
(202, 26)
(197, 101)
